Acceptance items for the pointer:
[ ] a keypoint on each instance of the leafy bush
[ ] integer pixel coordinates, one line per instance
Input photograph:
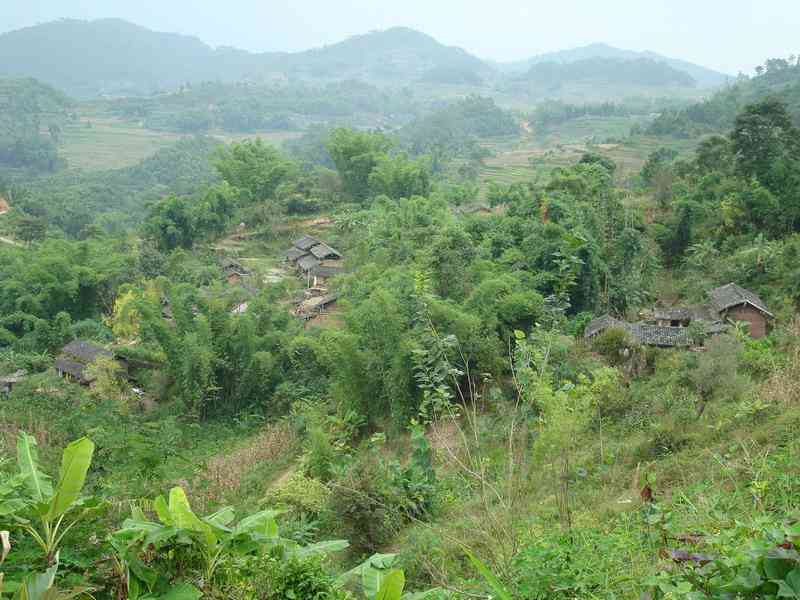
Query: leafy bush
(296, 579)
(614, 345)
(301, 494)
(757, 561)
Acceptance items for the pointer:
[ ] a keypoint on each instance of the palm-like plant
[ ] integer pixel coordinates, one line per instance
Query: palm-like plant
(142, 542)
(53, 511)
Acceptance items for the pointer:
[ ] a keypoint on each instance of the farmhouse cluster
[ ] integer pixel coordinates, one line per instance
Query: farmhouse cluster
(316, 262)
(671, 327)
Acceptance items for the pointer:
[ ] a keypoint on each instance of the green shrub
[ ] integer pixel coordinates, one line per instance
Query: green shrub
(301, 494)
(367, 504)
(579, 564)
(614, 345)
(296, 579)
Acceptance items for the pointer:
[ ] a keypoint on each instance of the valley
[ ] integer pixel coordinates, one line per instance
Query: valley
(384, 320)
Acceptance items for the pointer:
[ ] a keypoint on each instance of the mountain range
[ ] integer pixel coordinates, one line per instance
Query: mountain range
(112, 56)
(704, 76)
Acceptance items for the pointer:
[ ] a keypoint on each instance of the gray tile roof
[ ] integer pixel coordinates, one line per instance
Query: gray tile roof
(728, 296)
(322, 251)
(292, 254)
(600, 324)
(643, 333)
(326, 270)
(305, 242)
(83, 351)
(73, 368)
(308, 262)
(656, 335)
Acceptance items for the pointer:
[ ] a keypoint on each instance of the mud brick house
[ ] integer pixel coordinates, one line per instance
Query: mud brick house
(669, 327)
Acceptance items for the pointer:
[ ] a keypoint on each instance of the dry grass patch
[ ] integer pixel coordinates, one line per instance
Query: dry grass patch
(224, 474)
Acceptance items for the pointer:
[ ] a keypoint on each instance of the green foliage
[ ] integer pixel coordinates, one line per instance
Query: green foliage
(28, 106)
(356, 155)
(115, 200)
(44, 511)
(178, 222)
(454, 131)
(615, 344)
(374, 497)
(294, 579)
(301, 494)
(756, 561)
(778, 79)
(255, 168)
(153, 554)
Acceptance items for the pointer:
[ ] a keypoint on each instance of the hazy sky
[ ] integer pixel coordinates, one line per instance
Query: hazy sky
(729, 35)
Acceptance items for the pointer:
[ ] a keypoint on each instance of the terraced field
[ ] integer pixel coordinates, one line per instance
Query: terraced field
(517, 160)
(98, 143)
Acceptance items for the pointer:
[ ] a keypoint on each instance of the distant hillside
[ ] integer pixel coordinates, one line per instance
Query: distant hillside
(703, 76)
(111, 56)
(395, 54)
(114, 57)
(641, 71)
(778, 79)
(31, 116)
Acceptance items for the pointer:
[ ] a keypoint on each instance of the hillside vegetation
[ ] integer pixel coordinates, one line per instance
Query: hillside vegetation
(416, 351)
(778, 78)
(29, 106)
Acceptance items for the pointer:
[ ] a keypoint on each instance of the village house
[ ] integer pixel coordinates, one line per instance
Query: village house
(7, 382)
(233, 271)
(76, 357)
(315, 260)
(310, 307)
(670, 327)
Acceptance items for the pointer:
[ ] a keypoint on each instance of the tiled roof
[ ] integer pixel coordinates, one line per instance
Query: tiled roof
(73, 368)
(728, 296)
(326, 270)
(293, 254)
(305, 242)
(322, 250)
(308, 262)
(84, 352)
(655, 335)
(600, 324)
(643, 333)
(686, 313)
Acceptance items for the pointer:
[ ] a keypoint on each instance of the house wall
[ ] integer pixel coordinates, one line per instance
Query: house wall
(757, 320)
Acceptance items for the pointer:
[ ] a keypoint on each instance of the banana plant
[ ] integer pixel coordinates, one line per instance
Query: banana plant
(42, 586)
(55, 509)
(214, 538)
(381, 580)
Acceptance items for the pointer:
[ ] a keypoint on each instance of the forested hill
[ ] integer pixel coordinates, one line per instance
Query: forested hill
(778, 78)
(27, 107)
(112, 56)
(704, 76)
(136, 60)
(397, 53)
(641, 71)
